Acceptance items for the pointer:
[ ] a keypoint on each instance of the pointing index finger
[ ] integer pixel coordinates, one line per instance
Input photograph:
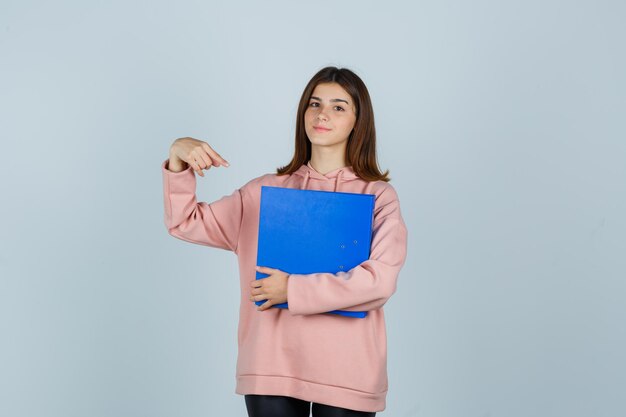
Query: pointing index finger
(215, 155)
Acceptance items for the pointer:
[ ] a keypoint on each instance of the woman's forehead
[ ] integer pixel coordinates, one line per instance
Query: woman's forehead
(330, 92)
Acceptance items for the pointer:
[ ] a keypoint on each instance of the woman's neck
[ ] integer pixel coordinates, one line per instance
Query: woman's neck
(324, 160)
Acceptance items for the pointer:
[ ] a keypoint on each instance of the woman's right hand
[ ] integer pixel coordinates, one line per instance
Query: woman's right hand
(196, 153)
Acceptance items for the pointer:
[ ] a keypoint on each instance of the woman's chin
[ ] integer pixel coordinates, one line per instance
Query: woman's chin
(327, 143)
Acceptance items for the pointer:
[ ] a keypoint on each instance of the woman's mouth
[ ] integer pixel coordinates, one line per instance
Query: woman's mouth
(320, 129)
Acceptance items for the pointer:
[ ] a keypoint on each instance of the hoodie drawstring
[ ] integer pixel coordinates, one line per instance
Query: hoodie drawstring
(306, 180)
(338, 177)
(337, 180)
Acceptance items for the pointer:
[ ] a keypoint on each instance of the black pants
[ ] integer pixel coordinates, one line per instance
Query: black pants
(282, 406)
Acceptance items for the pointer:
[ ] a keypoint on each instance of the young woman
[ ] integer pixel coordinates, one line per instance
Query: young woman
(290, 360)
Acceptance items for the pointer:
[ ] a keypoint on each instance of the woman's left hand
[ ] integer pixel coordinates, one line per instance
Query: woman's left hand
(272, 288)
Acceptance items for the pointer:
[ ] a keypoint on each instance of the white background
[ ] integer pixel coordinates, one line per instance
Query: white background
(502, 125)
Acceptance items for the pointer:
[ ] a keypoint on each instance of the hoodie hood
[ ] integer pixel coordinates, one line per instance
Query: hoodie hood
(338, 175)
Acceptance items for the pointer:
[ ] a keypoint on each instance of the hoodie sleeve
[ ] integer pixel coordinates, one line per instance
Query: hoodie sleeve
(367, 286)
(215, 224)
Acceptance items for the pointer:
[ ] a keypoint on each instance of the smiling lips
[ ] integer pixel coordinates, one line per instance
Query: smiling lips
(320, 129)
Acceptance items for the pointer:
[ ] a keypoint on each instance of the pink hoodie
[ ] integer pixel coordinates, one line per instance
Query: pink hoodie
(297, 352)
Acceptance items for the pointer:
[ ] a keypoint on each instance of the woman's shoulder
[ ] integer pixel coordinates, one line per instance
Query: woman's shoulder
(387, 202)
(270, 179)
(384, 190)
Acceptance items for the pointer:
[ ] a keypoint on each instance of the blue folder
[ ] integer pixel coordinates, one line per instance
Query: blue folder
(310, 231)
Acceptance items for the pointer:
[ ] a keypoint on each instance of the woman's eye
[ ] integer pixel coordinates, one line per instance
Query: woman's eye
(337, 107)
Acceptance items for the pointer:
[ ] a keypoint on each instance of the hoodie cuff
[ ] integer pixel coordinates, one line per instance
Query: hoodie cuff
(298, 299)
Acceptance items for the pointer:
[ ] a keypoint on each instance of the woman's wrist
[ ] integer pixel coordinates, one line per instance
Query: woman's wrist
(175, 164)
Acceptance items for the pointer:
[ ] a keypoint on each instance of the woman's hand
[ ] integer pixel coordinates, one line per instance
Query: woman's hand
(196, 153)
(272, 288)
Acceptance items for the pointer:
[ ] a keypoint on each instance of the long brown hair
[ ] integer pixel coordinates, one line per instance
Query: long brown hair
(361, 146)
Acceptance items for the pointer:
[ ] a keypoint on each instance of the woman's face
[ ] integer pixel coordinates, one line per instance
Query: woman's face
(330, 106)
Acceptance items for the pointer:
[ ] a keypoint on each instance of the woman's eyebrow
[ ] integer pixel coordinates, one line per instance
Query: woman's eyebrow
(334, 99)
